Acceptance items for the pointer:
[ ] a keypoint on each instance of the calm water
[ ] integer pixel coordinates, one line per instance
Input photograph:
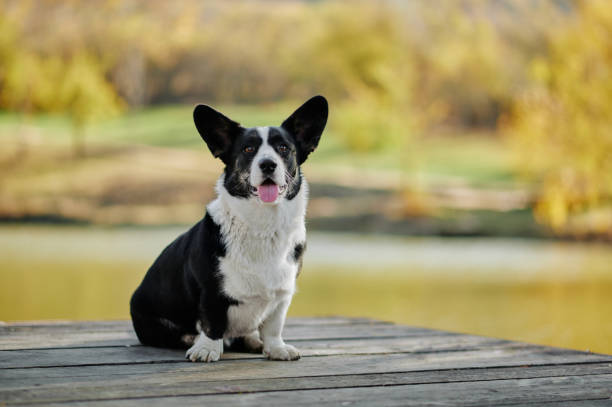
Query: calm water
(537, 291)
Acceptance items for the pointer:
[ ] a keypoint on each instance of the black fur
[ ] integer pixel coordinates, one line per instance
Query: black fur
(306, 125)
(218, 131)
(276, 137)
(182, 287)
(237, 170)
(298, 254)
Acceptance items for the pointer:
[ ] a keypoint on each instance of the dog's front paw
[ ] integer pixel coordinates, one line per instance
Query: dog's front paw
(282, 352)
(205, 350)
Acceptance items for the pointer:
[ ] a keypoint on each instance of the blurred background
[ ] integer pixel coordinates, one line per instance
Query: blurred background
(464, 181)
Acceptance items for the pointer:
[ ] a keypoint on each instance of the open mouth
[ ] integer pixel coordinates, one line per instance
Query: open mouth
(268, 191)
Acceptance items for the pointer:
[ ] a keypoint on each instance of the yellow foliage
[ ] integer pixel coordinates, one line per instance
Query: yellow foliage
(83, 92)
(562, 126)
(361, 58)
(366, 125)
(390, 69)
(436, 61)
(31, 80)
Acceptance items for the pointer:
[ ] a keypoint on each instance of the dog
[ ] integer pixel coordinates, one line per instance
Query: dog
(228, 281)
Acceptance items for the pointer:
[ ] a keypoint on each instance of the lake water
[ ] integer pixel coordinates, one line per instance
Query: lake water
(556, 293)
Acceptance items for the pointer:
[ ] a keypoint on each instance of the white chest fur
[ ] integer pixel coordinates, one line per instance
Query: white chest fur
(258, 268)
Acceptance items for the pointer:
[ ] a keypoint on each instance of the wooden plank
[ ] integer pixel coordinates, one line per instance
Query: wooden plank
(160, 386)
(570, 403)
(81, 337)
(119, 325)
(475, 393)
(345, 361)
(60, 325)
(358, 331)
(322, 347)
(306, 367)
(58, 339)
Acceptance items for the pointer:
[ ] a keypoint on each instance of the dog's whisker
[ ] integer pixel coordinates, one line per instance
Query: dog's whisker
(289, 177)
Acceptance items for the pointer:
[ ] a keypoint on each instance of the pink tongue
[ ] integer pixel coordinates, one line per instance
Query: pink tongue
(268, 193)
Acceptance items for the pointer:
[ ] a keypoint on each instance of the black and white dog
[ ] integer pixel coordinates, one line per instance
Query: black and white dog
(229, 280)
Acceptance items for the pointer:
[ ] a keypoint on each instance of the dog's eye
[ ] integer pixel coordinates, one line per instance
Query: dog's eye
(283, 148)
(249, 150)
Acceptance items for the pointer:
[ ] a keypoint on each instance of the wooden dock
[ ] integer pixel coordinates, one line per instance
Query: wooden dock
(345, 362)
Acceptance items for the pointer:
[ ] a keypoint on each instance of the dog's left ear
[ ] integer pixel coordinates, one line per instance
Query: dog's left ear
(306, 125)
(218, 131)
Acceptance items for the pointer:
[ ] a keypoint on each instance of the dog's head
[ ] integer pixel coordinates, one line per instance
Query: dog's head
(263, 162)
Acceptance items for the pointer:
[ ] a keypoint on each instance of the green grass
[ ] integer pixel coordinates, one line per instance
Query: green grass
(478, 160)
(172, 126)
(481, 159)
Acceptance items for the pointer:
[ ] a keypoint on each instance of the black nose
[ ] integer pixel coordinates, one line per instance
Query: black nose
(267, 166)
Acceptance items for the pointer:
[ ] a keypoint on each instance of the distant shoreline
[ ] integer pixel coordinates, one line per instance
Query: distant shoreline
(368, 225)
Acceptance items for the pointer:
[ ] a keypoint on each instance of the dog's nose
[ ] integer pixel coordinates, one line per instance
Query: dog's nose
(267, 166)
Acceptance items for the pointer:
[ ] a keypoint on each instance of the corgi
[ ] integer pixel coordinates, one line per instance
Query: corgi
(227, 282)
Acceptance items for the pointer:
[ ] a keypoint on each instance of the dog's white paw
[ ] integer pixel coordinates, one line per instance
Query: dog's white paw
(282, 352)
(205, 350)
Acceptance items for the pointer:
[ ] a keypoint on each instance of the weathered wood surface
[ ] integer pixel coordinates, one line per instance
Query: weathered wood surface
(345, 362)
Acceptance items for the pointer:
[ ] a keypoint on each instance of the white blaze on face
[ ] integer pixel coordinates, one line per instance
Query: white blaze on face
(268, 192)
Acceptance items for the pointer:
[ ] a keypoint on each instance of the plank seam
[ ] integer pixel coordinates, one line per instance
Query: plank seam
(178, 360)
(353, 338)
(313, 356)
(9, 328)
(336, 387)
(522, 403)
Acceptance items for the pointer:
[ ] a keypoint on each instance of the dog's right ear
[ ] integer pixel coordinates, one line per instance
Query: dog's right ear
(218, 131)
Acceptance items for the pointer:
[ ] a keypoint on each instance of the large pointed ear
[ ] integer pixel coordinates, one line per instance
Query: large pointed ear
(306, 125)
(217, 130)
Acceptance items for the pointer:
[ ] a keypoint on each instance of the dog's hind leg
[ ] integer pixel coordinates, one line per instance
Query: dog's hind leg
(250, 343)
(161, 332)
